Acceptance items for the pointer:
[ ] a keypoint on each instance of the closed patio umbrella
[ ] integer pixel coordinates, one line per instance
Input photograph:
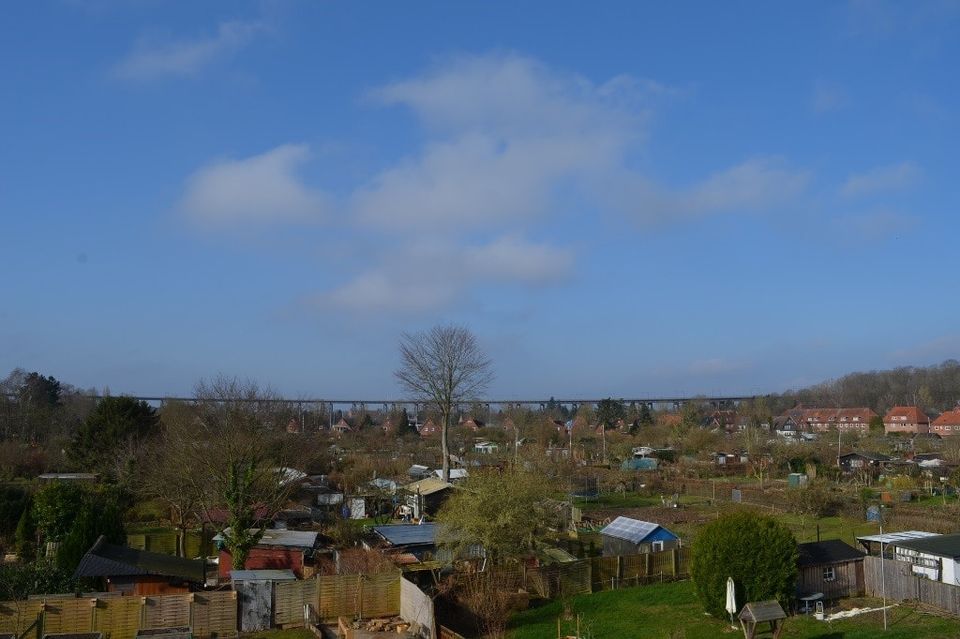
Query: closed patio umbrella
(731, 599)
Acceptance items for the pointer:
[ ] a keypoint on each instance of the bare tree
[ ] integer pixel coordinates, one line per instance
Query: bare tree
(241, 460)
(165, 476)
(443, 367)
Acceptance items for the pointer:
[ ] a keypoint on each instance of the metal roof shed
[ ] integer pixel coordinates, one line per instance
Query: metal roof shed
(627, 536)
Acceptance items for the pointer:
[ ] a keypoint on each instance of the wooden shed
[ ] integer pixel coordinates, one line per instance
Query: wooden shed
(830, 567)
(139, 572)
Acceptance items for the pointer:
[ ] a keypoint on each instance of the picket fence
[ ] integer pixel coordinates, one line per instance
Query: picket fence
(209, 614)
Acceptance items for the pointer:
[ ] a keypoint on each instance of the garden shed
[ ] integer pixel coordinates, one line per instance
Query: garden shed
(626, 536)
(832, 568)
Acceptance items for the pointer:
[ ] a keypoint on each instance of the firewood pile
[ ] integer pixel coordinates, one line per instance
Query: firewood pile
(386, 624)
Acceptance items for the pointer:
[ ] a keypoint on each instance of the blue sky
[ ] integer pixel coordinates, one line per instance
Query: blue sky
(625, 199)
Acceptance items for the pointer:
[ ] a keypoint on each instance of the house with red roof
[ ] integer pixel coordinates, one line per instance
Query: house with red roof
(906, 419)
(429, 428)
(821, 420)
(948, 424)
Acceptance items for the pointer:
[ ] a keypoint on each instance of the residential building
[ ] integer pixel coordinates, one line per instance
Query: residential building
(430, 428)
(948, 424)
(821, 420)
(906, 419)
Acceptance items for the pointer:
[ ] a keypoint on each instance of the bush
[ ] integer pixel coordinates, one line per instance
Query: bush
(758, 552)
(816, 500)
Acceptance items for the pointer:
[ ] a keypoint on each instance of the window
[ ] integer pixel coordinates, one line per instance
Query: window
(829, 573)
(656, 546)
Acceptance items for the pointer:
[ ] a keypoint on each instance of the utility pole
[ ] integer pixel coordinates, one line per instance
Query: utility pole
(883, 576)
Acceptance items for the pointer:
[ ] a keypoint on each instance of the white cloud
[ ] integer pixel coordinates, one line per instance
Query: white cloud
(425, 277)
(153, 58)
(756, 185)
(505, 132)
(262, 188)
(753, 185)
(885, 178)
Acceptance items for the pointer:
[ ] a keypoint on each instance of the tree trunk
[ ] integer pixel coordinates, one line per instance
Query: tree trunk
(445, 446)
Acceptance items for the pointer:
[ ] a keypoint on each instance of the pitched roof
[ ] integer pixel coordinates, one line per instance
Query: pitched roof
(940, 545)
(427, 486)
(632, 530)
(283, 538)
(909, 414)
(949, 418)
(108, 560)
(759, 611)
(877, 457)
(831, 551)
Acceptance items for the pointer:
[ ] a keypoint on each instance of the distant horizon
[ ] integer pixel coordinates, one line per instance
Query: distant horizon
(104, 391)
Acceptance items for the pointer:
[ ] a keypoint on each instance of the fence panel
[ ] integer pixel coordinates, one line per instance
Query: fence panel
(380, 595)
(118, 617)
(17, 616)
(166, 611)
(605, 571)
(68, 615)
(289, 597)
(214, 613)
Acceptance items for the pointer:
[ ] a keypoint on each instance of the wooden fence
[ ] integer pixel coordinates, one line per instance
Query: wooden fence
(610, 573)
(900, 584)
(210, 614)
(334, 596)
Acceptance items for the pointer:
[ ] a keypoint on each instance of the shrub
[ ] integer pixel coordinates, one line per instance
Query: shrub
(758, 552)
(816, 500)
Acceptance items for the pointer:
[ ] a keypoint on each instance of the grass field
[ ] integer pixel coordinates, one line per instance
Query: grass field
(671, 611)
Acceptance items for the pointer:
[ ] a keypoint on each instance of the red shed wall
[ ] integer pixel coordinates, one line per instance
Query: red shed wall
(266, 559)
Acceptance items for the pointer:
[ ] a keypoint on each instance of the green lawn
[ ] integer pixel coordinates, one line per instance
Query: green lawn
(671, 611)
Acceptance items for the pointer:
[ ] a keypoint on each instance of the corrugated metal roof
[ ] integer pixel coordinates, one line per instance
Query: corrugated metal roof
(262, 575)
(408, 534)
(893, 538)
(632, 530)
(284, 538)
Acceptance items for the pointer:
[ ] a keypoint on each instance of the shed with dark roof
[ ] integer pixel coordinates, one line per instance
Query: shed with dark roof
(832, 568)
(936, 557)
(139, 572)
